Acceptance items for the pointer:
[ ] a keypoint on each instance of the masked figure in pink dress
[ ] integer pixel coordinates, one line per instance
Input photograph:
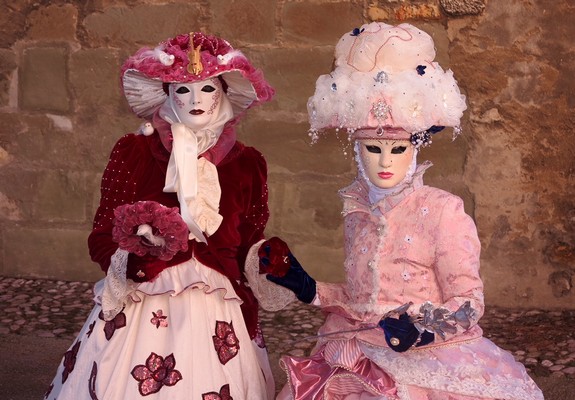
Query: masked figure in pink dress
(181, 204)
(404, 325)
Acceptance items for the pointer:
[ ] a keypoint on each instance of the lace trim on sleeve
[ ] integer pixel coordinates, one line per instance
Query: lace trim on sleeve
(116, 285)
(271, 297)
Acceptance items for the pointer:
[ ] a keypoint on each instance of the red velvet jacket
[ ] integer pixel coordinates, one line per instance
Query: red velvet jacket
(136, 172)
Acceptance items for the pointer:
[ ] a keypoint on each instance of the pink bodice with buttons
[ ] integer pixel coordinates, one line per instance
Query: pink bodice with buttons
(415, 246)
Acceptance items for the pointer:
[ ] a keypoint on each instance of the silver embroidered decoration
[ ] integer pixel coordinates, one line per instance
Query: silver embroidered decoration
(442, 321)
(380, 111)
(381, 77)
(334, 87)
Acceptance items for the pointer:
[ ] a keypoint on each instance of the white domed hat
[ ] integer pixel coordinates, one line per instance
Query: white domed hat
(386, 85)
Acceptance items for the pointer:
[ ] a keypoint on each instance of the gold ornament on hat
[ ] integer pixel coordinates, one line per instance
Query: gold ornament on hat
(195, 59)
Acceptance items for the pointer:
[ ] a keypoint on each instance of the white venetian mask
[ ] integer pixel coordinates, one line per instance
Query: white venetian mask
(196, 104)
(386, 162)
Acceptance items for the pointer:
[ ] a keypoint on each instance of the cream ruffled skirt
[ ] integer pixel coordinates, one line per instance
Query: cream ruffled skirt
(181, 336)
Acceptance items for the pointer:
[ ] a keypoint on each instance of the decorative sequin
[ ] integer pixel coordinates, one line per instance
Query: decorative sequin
(408, 239)
(156, 373)
(424, 211)
(224, 394)
(380, 111)
(406, 275)
(226, 342)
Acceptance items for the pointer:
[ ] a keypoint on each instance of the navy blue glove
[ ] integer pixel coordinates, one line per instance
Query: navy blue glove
(401, 334)
(291, 275)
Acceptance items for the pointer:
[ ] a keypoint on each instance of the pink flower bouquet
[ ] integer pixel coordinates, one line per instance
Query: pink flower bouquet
(166, 232)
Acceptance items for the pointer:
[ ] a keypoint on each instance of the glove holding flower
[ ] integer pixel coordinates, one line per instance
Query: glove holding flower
(151, 232)
(282, 268)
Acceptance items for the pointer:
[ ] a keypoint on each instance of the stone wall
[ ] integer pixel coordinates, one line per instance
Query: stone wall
(61, 110)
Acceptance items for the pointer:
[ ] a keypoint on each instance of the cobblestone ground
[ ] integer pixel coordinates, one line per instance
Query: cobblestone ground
(544, 341)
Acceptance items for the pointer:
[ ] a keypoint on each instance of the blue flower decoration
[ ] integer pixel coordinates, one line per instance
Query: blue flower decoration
(423, 138)
(421, 69)
(357, 31)
(435, 128)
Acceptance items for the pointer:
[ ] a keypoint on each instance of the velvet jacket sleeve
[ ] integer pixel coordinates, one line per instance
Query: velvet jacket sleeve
(135, 172)
(118, 187)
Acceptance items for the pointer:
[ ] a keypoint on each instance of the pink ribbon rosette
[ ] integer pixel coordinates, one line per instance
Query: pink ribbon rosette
(148, 227)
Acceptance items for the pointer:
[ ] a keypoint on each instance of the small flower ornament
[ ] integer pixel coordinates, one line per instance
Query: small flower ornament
(110, 327)
(70, 360)
(224, 394)
(148, 227)
(226, 343)
(156, 373)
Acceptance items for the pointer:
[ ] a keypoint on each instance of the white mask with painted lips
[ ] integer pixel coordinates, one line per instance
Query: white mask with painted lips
(386, 162)
(196, 104)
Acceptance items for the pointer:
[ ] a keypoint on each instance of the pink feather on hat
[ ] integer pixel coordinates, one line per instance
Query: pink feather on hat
(145, 73)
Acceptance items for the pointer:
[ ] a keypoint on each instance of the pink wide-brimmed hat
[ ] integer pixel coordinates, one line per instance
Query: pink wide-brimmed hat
(187, 58)
(386, 84)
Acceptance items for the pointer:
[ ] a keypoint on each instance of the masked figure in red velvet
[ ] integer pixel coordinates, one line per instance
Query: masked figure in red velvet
(182, 202)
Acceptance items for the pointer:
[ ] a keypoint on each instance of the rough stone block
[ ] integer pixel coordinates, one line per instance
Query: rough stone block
(35, 141)
(13, 21)
(9, 209)
(288, 149)
(313, 207)
(5, 157)
(146, 24)
(53, 22)
(96, 134)
(7, 67)
(294, 84)
(61, 196)
(43, 81)
(20, 186)
(382, 11)
(319, 23)
(95, 79)
(323, 263)
(11, 128)
(48, 254)
(463, 7)
(253, 20)
(447, 155)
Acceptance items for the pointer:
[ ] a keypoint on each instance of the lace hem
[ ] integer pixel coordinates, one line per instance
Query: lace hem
(467, 370)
